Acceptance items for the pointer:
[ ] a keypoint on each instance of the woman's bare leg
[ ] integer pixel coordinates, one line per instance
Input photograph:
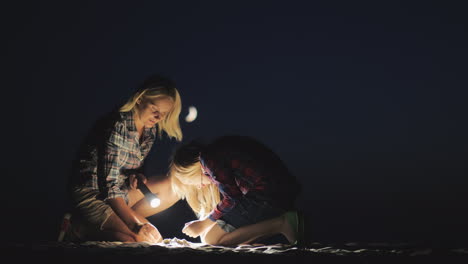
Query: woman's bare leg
(250, 233)
(114, 229)
(116, 236)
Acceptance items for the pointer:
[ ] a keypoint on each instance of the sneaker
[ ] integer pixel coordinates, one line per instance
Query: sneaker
(296, 220)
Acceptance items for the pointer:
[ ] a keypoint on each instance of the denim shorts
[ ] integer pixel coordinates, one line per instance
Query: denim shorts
(250, 209)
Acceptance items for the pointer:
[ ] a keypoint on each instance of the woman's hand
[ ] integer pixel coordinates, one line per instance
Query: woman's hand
(197, 227)
(148, 233)
(134, 178)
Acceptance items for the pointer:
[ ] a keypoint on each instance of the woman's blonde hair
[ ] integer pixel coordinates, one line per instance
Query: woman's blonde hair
(156, 87)
(201, 200)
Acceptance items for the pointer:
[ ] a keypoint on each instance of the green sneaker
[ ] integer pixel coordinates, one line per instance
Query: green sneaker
(296, 220)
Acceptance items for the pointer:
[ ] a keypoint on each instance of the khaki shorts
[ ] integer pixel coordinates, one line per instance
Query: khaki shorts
(90, 214)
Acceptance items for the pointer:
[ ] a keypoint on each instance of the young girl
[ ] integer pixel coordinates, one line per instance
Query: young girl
(241, 191)
(106, 204)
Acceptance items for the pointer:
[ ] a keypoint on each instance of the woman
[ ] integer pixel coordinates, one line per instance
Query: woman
(240, 190)
(106, 202)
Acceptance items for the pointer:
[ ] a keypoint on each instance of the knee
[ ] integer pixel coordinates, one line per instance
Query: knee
(210, 239)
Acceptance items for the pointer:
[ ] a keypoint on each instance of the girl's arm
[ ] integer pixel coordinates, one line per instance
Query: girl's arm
(198, 227)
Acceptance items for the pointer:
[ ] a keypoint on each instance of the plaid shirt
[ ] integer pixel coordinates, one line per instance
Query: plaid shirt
(122, 155)
(236, 174)
(242, 166)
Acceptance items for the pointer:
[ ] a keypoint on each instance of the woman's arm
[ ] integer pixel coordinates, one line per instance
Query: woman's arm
(115, 156)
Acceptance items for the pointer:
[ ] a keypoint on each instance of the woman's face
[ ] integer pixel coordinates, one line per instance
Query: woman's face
(151, 111)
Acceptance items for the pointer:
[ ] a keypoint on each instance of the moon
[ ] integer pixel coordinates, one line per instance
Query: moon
(192, 115)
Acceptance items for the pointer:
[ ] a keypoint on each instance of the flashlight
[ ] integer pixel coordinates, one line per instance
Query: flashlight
(151, 197)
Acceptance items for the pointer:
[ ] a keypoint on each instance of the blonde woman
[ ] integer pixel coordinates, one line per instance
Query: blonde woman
(106, 204)
(241, 191)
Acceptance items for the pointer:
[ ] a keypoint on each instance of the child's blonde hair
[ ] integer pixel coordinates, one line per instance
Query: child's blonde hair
(186, 164)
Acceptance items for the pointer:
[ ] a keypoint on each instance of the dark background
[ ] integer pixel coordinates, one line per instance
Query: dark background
(365, 102)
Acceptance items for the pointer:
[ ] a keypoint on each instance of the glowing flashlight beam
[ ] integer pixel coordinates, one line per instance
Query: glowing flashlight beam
(151, 197)
(192, 115)
(155, 202)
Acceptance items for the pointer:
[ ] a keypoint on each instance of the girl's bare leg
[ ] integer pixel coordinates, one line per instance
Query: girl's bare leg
(248, 234)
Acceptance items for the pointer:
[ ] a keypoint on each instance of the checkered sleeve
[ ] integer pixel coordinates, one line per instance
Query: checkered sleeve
(115, 156)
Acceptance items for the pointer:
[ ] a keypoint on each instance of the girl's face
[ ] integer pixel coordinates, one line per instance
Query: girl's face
(198, 181)
(205, 179)
(151, 111)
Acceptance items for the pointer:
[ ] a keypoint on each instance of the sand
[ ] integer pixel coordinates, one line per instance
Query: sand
(176, 250)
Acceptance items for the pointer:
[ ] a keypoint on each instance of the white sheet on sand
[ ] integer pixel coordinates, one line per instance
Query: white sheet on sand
(182, 243)
(346, 250)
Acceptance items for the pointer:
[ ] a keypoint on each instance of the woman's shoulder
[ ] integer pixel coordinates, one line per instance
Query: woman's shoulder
(111, 123)
(102, 128)
(109, 119)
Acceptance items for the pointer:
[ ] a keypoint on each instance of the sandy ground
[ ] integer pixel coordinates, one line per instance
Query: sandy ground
(181, 251)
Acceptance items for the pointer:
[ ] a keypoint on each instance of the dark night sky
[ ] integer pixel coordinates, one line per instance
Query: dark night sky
(365, 101)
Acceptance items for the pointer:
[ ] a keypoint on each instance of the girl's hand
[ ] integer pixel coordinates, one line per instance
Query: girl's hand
(197, 227)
